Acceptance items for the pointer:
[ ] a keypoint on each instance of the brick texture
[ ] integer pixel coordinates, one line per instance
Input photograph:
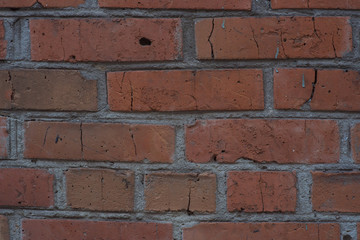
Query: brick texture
(44, 3)
(280, 141)
(4, 228)
(100, 190)
(99, 142)
(75, 229)
(334, 4)
(186, 90)
(180, 192)
(273, 38)
(336, 192)
(179, 4)
(355, 143)
(44, 90)
(3, 138)
(333, 90)
(3, 42)
(26, 188)
(105, 40)
(255, 231)
(261, 191)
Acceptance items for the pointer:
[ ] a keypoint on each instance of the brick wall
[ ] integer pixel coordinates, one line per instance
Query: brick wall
(182, 119)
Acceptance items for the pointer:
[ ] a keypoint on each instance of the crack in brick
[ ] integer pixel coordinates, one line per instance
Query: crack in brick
(209, 39)
(313, 89)
(81, 142)
(256, 42)
(261, 193)
(133, 141)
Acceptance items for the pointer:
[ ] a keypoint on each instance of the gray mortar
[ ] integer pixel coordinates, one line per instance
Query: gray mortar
(19, 56)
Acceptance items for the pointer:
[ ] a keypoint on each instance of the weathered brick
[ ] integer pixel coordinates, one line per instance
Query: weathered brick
(105, 40)
(3, 42)
(38, 229)
(186, 90)
(3, 138)
(99, 142)
(16, 3)
(261, 191)
(257, 231)
(334, 90)
(273, 38)
(336, 192)
(26, 188)
(281, 141)
(44, 3)
(4, 228)
(355, 143)
(52, 90)
(180, 192)
(101, 190)
(179, 4)
(326, 4)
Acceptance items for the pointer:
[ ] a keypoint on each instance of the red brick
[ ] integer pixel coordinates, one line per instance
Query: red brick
(102, 190)
(3, 42)
(26, 188)
(280, 141)
(355, 143)
(333, 4)
(99, 142)
(77, 229)
(257, 231)
(186, 90)
(4, 228)
(16, 3)
(273, 38)
(3, 138)
(105, 40)
(180, 192)
(335, 90)
(60, 4)
(179, 4)
(52, 90)
(336, 192)
(261, 191)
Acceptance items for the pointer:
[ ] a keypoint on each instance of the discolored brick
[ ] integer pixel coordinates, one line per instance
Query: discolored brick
(4, 228)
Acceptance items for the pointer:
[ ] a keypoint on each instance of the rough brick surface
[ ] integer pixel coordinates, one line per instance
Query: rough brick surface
(186, 90)
(4, 228)
(273, 38)
(355, 143)
(326, 4)
(44, 90)
(16, 3)
(99, 142)
(3, 42)
(280, 141)
(3, 138)
(105, 40)
(261, 191)
(180, 192)
(333, 90)
(256, 231)
(75, 229)
(100, 190)
(62, 3)
(336, 192)
(179, 4)
(26, 188)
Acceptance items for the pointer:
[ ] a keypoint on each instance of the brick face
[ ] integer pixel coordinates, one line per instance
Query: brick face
(100, 190)
(3, 42)
(180, 192)
(3, 138)
(105, 40)
(4, 228)
(26, 188)
(186, 90)
(261, 191)
(254, 231)
(335, 90)
(75, 229)
(99, 142)
(273, 38)
(44, 3)
(355, 143)
(280, 141)
(336, 192)
(179, 4)
(334, 4)
(44, 90)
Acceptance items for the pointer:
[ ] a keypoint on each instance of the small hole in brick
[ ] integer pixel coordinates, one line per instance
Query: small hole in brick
(73, 57)
(145, 42)
(347, 237)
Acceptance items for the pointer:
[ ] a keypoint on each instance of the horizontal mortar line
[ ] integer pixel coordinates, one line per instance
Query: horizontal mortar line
(183, 167)
(182, 216)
